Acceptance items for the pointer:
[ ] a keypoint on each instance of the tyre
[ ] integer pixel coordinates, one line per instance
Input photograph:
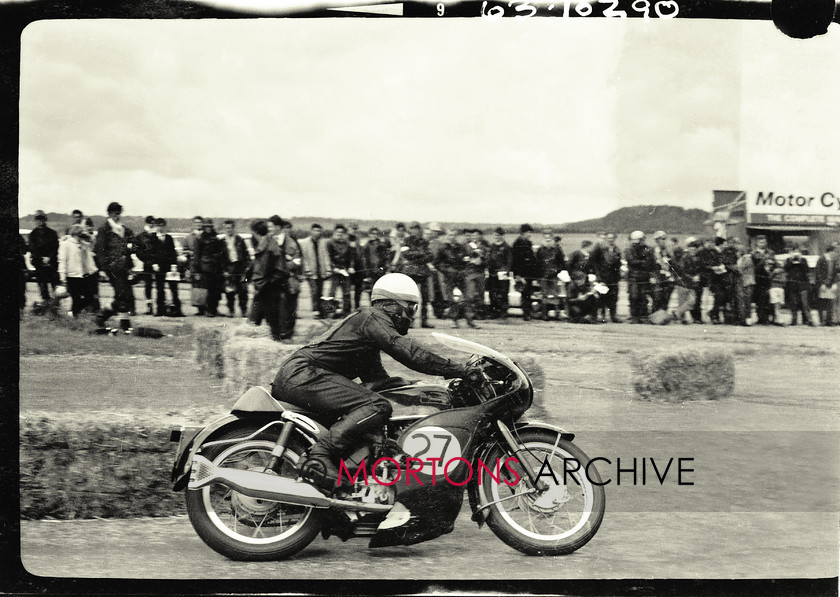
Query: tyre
(245, 528)
(556, 521)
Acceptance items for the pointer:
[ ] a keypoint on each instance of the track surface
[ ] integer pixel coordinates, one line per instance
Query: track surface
(763, 504)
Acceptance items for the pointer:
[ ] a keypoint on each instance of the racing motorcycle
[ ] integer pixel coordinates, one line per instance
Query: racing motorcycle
(527, 481)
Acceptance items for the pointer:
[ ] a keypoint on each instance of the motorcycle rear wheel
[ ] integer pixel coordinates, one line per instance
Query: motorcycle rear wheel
(554, 522)
(244, 528)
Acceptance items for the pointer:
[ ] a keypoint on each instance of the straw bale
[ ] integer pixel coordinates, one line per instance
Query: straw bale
(101, 464)
(687, 374)
(208, 351)
(252, 362)
(537, 376)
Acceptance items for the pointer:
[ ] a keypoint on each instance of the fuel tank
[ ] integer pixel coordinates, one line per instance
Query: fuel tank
(419, 394)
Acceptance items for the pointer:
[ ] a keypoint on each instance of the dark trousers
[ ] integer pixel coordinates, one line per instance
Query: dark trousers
(47, 278)
(148, 282)
(662, 295)
(123, 292)
(582, 307)
(638, 289)
(316, 291)
(763, 308)
(609, 302)
(266, 306)
(357, 281)
(214, 282)
(474, 294)
(722, 288)
(800, 301)
(80, 297)
(696, 314)
(525, 298)
(744, 298)
(462, 308)
(342, 284)
(498, 290)
(236, 288)
(288, 313)
(160, 288)
(423, 283)
(826, 311)
(332, 396)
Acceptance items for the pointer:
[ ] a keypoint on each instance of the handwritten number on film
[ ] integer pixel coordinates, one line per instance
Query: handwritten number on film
(664, 9)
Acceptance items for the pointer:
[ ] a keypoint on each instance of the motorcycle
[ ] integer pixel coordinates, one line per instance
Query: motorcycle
(527, 481)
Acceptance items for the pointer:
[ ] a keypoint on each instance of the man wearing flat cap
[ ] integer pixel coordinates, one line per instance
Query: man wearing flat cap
(43, 247)
(525, 267)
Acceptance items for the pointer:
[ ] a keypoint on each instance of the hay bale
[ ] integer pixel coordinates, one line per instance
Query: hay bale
(209, 350)
(99, 464)
(688, 374)
(252, 362)
(535, 372)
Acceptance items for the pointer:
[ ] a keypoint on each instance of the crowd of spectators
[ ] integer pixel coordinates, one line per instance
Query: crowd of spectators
(455, 270)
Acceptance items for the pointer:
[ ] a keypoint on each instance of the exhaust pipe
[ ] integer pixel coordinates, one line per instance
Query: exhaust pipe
(264, 486)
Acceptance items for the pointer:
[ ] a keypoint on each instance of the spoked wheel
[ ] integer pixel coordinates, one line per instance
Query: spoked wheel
(246, 528)
(554, 521)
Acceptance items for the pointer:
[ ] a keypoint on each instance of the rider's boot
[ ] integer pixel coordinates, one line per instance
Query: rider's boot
(321, 465)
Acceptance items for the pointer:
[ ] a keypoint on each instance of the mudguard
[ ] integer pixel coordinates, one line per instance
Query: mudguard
(476, 496)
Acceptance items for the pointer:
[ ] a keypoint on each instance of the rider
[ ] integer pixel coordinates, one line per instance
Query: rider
(319, 377)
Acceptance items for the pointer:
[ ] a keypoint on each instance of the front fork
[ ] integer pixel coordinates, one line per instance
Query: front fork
(525, 472)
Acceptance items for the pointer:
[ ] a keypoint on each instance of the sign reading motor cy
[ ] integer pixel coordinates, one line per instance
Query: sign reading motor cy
(814, 210)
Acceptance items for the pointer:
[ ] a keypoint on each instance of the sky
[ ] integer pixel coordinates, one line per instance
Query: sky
(538, 120)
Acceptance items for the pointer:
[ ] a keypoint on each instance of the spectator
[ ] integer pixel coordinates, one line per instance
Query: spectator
(581, 300)
(166, 273)
(683, 282)
(474, 274)
(343, 260)
(147, 250)
(209, 263)
(316, 266)
(451, 263)
(776, 274)
(525, 267)
(551, 262)
(188, 253)
(113, 248)
(499, 260)
(397, 238)
(357, 278)
(825, 279)
(291, 292)
(798, 286)
(94, 279)
(43, 252)
(376, 256)
(78, 220)
(664, 276)
(76, 266)
(269, 274)
(745, 287)
(641, 274)
(760, 254)
(413, 258)
(581, 260)
(608, 263)
(238, 262)
(435, 238)
(723, 282)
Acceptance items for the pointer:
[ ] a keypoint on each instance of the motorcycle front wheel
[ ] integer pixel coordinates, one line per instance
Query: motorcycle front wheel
(245, 528)
(557, 520)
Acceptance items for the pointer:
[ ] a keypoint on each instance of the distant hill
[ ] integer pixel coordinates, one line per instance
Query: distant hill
(647, 218)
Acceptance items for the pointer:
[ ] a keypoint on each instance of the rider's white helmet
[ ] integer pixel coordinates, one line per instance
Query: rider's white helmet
(398, 287)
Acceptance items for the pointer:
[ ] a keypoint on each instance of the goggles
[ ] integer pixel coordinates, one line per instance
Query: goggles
(410, 309)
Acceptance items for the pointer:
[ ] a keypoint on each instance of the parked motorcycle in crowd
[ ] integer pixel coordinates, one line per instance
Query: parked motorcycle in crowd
(533, 487)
